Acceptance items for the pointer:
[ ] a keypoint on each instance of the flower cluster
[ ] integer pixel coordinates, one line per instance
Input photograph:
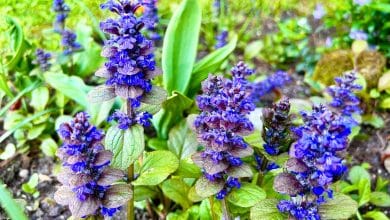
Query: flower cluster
(319, 12)
(276, 127)
(272, 82)
(125, 121)
(221, 39)
(87, 180)
(315, 162)
(130, 65)
(344, 99)
(221, 125)
(68, 38)
(42, 59)
(150, 18)
(358, 35)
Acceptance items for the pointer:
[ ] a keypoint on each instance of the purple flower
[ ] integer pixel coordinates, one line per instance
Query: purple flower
(358, 35)
(272, 82)
(150, 18)
(361, 2)
(130, 65)
(224, 106)
(42, 59)
(344, 99)
(221, 39)
(319, 12)
(69, 42)
(87, 180)
(125, 121)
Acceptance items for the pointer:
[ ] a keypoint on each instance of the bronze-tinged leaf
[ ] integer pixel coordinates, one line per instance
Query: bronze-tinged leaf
(108, 51)
(103, 157)
(63, 195)
(241, 171)
(110, 176)
(155, 97)
(190, 121)
(117, 195)
(75, 158)
(76, 180)
(206, 188)
(80, 209)
(286, 183)
(128, 92)
(103, 72)
(239, 152)
(101, 93)
(213, 168)
(152, 74)
(198, 159)
(64, 175)
(295, 165)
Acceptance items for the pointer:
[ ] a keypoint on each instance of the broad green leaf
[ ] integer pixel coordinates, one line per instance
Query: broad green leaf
(187, 169)
(99, 112)
(182, 141)
(14, 211)
(144, 192)
(205, 188)
(384, 82)
(157, 166)
(357, 173)
(385, 103)
(209, 64)
(49, 147)
(8, 152)
(155, 97)
(193, 195)
(126, 145)
(180, 45)
(364, 188)
(266, 210)
(375, 215)
(380, 199)
(247, 195)
(101, 94)
(39, 98)
(177, 190)
(35, 131)
(19, 44)
(23, 123)
(20, 94)
(374, 120)
(205, 210)
(171, 113)
(30, 186)
(72, 87)
(384, 7)
(340, 207)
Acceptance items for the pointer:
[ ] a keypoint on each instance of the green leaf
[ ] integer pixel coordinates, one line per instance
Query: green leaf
(171, 113)
(376, 215)
(364, 188)
(157, 144)
(72, 87)
(374, 93)
(374, 120)
(23, 123)
(39, 98)
(384, 7)
(13, 209)
(49, 147)
(266, 210)
(380, 199)
(35, 131)
(99, 112)
(19, 44)
(340, 207)
(20, 94)
(187, 169)
(182, 141)
(4, 86)
(155, 97)
(177, 190)
(357, 173)
(209, 64)
(205, 210)
(144, 192)
(247, 195)
(253, 49)
(126, 145)
(205, 188)
(384, 82)
(101, 94)
(385, 103)
(180, 45)
(157, 166)
(30, 186)
(8, 152)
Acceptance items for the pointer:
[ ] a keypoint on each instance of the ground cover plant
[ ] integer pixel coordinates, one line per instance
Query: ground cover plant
(195, 109)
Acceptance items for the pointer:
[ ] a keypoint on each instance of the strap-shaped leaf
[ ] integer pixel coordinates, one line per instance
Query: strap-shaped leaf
(126, 145)
(180, 45)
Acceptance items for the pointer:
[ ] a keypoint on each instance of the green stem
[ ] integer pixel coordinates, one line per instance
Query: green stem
(359, 216)
(213, 216)
(225, 211)
(130, 173)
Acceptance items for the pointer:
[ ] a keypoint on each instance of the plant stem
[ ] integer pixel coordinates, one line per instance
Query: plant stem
(359, 216)
(225, 211)
(130, 173)
(211, 200)
(130, 205)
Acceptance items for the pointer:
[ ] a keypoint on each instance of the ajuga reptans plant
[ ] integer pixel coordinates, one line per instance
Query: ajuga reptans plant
(87, 181)
(221, 126)
(42, 60)
(315, 158)
(272, 82)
